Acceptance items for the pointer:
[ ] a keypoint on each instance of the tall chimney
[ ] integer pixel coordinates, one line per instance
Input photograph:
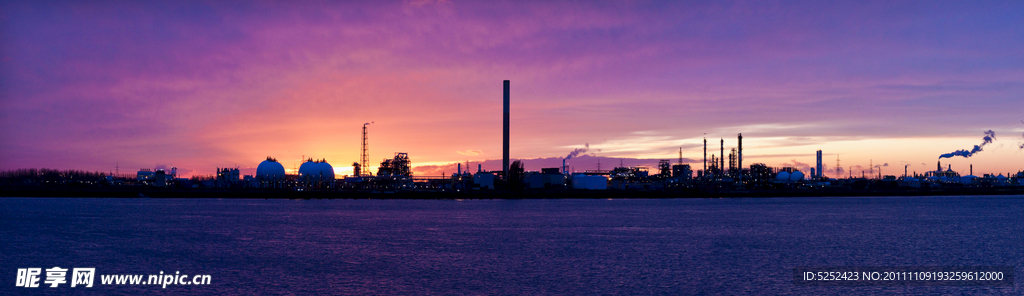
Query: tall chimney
(705, 156)
(819, 165)
(460, 169)
(972, 169)
(504, 159)
(721, 161)
(739, 157)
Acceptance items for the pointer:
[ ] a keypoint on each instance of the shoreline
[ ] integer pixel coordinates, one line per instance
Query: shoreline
(250, 193)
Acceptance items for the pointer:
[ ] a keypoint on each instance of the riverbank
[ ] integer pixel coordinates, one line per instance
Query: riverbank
(252, 193)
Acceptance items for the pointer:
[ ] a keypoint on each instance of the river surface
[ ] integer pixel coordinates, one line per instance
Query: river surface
(508, 247)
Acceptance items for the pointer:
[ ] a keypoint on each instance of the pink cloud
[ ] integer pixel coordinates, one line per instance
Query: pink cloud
(211, 84)
(470, 152)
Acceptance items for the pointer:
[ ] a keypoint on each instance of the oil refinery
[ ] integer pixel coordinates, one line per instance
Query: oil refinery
(715, 177)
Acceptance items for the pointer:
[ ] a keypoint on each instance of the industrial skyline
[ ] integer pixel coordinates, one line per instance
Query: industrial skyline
(198, 86)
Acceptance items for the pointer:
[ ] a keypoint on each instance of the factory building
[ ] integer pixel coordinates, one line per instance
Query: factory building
(664, 169)
(145, 175)
(394, 173)
(761, 175)
(942, 176)
(682, 172)
(483, 180)
(400, 166)
(228, 177)
(549, 178)
(591, 182)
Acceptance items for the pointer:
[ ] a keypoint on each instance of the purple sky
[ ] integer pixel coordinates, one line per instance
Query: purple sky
(87, 85)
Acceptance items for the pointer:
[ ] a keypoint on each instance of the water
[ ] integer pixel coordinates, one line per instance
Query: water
(521, 247)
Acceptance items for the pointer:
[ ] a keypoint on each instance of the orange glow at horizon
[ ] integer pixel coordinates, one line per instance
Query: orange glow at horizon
(232, 85)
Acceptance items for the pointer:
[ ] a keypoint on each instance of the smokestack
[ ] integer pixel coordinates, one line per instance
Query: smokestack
(739, 156)
(972, 169)
(819, 165)
(938, 166)
(563, 166)
(479, 168)
(950, 167)
(721, 161)
(460, 169)
(705, 155)
(504, 159)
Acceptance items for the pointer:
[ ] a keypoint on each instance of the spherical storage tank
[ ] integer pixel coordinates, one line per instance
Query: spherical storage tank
(796, 176)
(306, 167)
(316, 170)
(270, 169)
(785, 176)
(782, 176)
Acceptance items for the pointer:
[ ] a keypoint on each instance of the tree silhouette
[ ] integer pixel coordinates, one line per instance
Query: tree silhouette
(516, 174)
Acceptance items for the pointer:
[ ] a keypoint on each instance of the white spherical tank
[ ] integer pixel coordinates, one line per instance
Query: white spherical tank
(316, 170)
(270, 169)
(782, 176)
(306, 168)
(796, 176)
(326, 171)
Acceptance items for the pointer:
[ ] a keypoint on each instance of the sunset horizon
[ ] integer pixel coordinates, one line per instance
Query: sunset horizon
(453, 147)
(199, 86)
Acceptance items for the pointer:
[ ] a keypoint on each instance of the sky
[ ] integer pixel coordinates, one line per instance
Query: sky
(124, 85)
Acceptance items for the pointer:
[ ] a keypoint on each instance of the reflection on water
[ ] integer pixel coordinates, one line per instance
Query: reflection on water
(679, 246)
